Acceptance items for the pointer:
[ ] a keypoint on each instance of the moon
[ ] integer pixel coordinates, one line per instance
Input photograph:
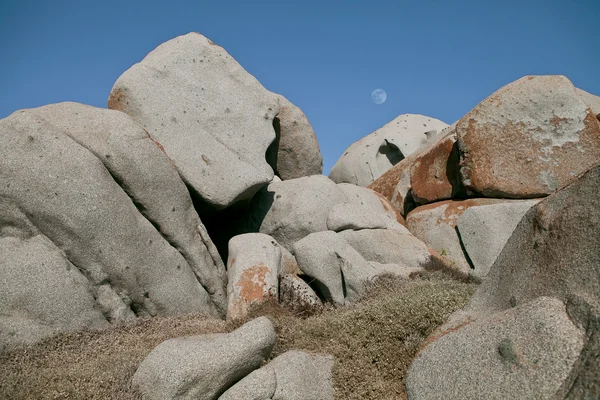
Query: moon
(379, 96)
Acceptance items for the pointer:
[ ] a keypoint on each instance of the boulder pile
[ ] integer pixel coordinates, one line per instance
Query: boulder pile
(111, 215)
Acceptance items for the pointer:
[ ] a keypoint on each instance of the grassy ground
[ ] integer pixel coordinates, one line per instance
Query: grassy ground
(373, 343)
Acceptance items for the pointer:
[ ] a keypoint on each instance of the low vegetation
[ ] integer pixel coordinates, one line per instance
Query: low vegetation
(373, 343)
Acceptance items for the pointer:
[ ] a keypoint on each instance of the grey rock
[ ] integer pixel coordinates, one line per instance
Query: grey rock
(70, 197)
(147, 176)
(520, 353)
(367, 159)
(260, 384)
(252, 268)
(293, 209)
(41, 292)
(339, 271)
(214, 119)
(203, 368)
(352, 216)
(296, 294)
(591, 100)
(374, 203)
(387, 246)
(485, 229)
(288, 264)
(552, 252)
(294, 375)
(295, 152)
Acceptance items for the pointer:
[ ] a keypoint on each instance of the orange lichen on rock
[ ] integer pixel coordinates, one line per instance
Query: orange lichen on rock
(252, 284)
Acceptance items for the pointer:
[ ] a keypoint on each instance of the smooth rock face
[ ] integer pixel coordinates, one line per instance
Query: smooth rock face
(520, 353)
(386, 246)
(435, 225)
(204, 367)
(294, 375)
(367, 159)
(373, 202)
(147, 176)
(296, 294)
(435, 172)
(352, 216)
(293, 209)
(295, 152)
(528, 139)
(252, 268)
(338, 270)
(485, 229)
(395, 185)
(553, 252)
(213, 119)
(72, 199)
(288, 264)
(41, 292)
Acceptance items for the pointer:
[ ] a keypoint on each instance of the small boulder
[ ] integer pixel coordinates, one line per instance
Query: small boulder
(203, 367)
(295, 152)
(294, 375)
(252, 267)
(528, 139)
(367, 159)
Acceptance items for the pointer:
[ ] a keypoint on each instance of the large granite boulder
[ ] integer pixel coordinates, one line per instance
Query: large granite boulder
(367, 159)
(553, 252)
(41, 291)
(213, 119)
(521, 353)
(294, 375)
(70, 196)
(295, 152)
(252, 268)
(203, 367)
(528, 139)
(145, 173)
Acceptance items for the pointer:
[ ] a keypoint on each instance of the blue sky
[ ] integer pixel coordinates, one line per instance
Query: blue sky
(438, 58)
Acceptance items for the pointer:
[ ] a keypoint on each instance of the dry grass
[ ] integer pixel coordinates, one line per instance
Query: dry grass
(373, 342)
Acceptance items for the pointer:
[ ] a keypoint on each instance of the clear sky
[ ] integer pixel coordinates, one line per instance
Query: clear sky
(438, 58)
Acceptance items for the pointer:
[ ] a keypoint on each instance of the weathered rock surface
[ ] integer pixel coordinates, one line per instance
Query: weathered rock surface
(295, 152)
(293, 209)
(205, 366)
(288, 264)
(367, 159)
(552, 252)
(528, 139)
(521, 353)
(252, 268)
(41, 292)
(294, 375)
(386, 246)
(395, 184)
(296, 294)
(591, 100)
(435, 173)
(352, 216)
(213, 119)
(147, 176)
(375, 203)
(485, 229)
(338, 270)
(72, 199)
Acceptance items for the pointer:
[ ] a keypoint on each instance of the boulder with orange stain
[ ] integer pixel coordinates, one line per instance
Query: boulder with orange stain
(528, 139)
(252, 268)
(435, 174)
